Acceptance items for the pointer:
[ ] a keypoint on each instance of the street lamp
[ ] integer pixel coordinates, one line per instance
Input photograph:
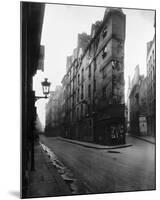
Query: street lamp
(46, 89)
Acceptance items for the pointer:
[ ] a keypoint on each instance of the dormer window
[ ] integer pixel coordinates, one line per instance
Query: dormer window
(104, 33)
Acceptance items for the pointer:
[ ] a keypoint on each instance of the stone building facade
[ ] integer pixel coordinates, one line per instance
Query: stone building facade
(151, 91)
(142, 97)
(138, 104)
(93, 86)
(54, 113)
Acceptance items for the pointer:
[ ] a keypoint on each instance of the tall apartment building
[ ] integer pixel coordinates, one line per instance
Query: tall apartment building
(151, 74)
(94, 83)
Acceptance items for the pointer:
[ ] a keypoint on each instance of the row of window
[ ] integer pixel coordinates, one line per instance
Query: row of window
(104, 34)
(104, 53)
(79, 112)
(82, 91)
(115, 99)
(104, 91)
(89, 74)
(89, 89)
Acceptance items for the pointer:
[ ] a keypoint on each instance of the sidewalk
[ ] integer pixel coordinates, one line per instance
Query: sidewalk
(95, 146)
(149, 139)
(45, 180)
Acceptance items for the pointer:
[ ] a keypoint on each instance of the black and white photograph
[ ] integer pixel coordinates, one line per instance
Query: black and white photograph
(88, 99)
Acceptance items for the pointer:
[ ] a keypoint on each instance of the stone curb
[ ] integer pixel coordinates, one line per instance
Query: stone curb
(143, 139)
(95, 146)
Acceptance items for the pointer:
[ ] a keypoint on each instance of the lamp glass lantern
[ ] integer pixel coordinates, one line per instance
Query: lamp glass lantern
(46, 87)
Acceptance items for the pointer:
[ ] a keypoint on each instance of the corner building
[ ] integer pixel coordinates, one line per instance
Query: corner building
(94, 83)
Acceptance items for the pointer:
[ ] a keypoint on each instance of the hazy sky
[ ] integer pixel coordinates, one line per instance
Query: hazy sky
(63, 23)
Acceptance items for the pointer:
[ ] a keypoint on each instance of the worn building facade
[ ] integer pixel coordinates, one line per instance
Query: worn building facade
(138, 104)
(151, 85)
(54, 113)
(128, 106)
(93, 86)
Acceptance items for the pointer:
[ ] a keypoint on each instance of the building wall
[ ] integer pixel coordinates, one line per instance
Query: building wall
(134, 110)
(138, 104)
(142, 97)
(94, 83)
(128, 106)
(54, 112)
(151, 91)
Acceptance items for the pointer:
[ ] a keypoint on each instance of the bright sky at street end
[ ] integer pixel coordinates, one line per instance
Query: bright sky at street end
(62, 24)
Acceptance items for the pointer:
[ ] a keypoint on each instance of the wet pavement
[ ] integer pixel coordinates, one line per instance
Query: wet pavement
(45, 180)
(75, 185)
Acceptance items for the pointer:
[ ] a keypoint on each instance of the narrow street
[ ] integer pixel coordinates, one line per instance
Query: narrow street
(123, 169)
(87, 74)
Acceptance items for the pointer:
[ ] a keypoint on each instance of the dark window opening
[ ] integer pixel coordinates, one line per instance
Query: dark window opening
(82, 92)
(82, 75)
(104, 92)
(89, 91)
(104, 72)
(89, 71)
(81, 110)
(78, 96)
(94, 85)
(104, 51)
(77, 113)
(104, 33)
(78, 79)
